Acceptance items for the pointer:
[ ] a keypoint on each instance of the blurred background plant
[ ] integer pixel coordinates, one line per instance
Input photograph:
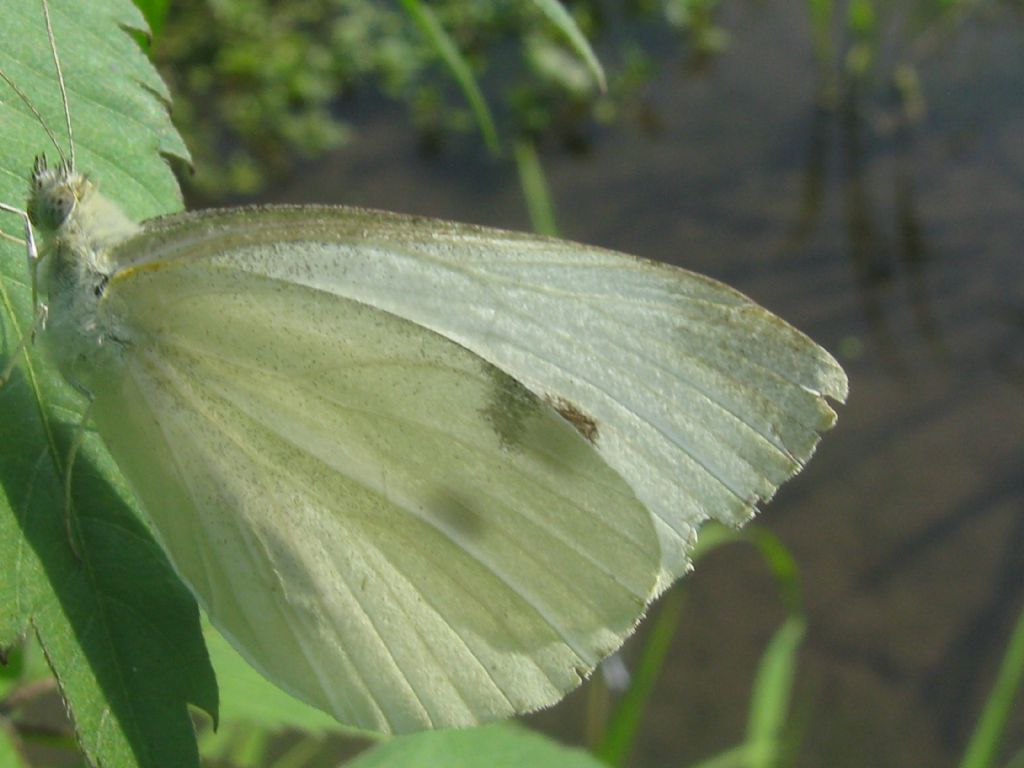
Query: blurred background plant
(258, 83)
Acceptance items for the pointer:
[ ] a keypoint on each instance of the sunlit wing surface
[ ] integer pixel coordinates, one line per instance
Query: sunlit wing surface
(703, 401)
(383, 523)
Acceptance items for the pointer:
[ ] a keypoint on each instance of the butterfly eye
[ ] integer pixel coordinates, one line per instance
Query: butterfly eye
(49, 208)
(61, 205)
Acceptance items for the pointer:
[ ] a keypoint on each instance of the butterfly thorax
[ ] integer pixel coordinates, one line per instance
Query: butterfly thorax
(77, 228)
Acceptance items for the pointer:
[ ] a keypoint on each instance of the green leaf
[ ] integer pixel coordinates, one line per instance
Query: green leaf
(460, 69)
(119, 630)
(504, 745)
(155, 12)
(565, 23)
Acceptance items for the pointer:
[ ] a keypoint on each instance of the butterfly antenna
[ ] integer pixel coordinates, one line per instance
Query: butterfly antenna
(60, 82)
(35, 112)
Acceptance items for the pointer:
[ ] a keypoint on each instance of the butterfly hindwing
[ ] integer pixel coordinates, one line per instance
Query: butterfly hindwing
(385, 524)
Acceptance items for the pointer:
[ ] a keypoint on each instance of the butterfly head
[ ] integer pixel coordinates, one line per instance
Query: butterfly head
(54, 194)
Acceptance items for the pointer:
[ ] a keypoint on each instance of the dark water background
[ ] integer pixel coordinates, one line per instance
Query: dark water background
(900, 248)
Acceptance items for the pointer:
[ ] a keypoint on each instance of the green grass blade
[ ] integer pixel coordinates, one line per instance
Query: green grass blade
(781, 563)
(625, 721)
(821, 13)
(535, 188)
(776, 556)
(984, 744)
(737, 757)
(460, 69)
(565, 23)
(769, 706)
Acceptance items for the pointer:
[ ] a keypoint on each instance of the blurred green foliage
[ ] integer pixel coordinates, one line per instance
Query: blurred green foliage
(874, 42)
(258, 82)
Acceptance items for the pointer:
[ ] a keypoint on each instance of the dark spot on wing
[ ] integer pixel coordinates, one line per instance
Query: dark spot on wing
(457, 512)
(509, 406)
(584, 423)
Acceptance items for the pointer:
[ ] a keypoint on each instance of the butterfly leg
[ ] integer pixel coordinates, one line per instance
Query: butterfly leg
(32, 252)
(76, 443)
(30, 247)
(38, 324)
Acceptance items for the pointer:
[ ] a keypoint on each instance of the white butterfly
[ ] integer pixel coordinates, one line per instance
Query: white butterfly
(420, 474)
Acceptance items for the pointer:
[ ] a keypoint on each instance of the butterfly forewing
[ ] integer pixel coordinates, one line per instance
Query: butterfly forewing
(703, 401)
